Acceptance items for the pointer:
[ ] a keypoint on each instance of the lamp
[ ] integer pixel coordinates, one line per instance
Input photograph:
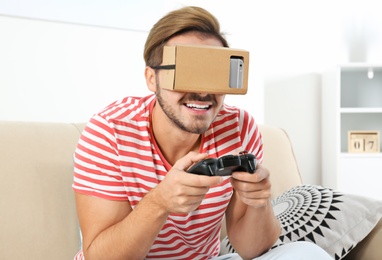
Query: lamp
(370, 73)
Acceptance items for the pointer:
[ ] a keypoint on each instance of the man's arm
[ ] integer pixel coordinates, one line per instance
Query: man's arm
(112, 230)
(251, 224)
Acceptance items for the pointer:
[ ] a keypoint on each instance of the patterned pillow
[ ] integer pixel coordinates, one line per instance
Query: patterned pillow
(335, 221)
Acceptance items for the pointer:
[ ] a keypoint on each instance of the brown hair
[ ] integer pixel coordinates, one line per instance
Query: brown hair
(190, 18)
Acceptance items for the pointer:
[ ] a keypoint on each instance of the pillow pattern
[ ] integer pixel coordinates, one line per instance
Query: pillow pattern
(335, 221)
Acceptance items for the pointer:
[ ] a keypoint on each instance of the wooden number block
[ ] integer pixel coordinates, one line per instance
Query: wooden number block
(372, 144)
(357, 145)
(363, 142)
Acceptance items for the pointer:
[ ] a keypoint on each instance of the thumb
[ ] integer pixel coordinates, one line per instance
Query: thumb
(191, 158)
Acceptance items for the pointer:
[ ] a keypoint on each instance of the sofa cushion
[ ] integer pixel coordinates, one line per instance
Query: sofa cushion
(335, 221)
(38, 215)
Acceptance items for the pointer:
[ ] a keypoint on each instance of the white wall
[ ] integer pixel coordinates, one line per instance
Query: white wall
(87, 62)
(63, 60)
(64, 72)
(294, 103)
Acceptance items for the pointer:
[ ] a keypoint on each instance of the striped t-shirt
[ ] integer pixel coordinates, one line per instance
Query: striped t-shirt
(117, 158)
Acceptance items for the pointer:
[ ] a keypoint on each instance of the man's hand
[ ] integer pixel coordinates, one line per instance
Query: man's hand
(181, 192)
(253, 189)
(251, 223)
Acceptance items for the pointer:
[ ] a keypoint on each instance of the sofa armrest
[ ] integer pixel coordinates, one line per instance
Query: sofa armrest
(370, 247)
(38, 215)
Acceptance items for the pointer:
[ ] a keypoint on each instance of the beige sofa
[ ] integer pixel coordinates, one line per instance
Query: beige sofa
(38, 219)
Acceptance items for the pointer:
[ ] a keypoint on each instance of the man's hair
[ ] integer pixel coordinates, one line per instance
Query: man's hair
(186, 19)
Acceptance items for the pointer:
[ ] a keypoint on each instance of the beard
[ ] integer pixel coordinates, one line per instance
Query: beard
(198, 124)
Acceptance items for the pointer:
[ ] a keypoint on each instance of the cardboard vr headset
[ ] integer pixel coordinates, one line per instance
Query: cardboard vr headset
(205, 69)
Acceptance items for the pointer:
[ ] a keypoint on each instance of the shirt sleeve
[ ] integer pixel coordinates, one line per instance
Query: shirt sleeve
(96, 162)
(252, 140)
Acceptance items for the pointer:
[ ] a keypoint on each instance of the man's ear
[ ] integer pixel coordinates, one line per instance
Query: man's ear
(150, 79)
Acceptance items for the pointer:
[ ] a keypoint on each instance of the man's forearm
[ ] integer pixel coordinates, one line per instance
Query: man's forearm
(255, 232)
(132, 237)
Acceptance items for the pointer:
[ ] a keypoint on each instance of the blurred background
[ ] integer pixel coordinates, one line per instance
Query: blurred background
(62, 61)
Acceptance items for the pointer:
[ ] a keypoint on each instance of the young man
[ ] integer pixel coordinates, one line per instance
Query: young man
(135, 199)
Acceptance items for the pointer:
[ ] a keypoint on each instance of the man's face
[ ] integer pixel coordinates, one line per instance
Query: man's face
(191, 112)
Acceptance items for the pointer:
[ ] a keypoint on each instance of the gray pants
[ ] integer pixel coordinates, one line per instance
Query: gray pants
(289, 251)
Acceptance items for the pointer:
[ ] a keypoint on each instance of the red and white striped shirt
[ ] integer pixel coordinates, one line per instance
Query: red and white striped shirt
(117, 158)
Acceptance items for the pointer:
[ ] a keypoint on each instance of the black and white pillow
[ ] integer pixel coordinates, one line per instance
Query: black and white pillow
(335, 221)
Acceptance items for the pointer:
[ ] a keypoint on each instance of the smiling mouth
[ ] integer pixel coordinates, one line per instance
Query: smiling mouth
(197, 106)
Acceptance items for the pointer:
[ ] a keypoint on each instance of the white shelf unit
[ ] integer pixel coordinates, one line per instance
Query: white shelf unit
(351, 100)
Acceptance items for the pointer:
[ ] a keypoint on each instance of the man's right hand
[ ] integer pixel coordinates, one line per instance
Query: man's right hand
(182, 192)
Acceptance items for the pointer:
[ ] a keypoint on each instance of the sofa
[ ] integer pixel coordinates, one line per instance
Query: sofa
(38, 215)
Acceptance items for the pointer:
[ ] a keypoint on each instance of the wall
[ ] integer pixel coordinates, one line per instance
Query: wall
(68, 54)
(64, 72)
(293, 103)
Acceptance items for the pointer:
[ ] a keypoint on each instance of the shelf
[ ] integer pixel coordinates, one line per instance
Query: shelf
(361, 155)
(357, 90)
(352, 102)
(357, 66)
(357, 110)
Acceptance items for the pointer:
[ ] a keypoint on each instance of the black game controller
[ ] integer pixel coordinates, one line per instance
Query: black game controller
(225, 165)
